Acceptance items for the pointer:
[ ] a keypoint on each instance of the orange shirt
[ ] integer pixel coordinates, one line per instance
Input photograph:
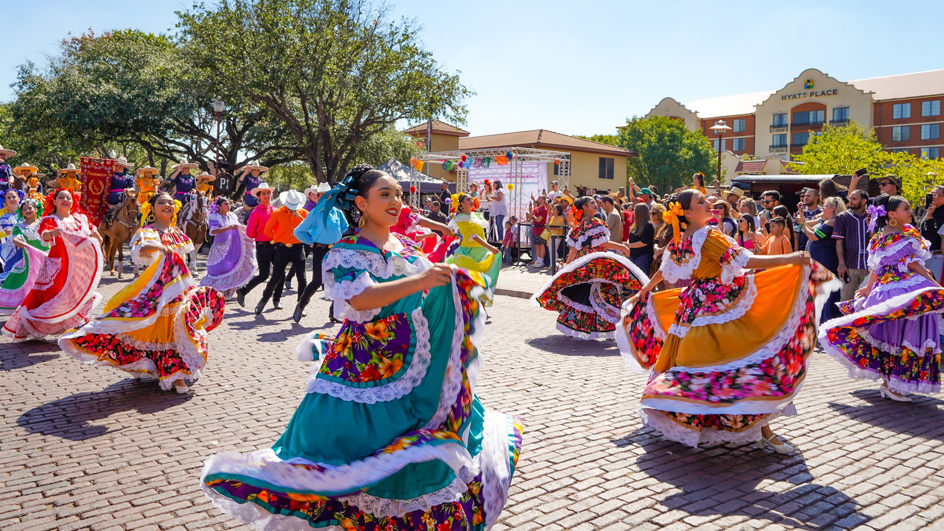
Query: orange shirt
(282, 223)
(779, 245)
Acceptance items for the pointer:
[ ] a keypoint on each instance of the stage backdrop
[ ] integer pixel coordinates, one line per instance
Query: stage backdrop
(533, 179)
(97, 173)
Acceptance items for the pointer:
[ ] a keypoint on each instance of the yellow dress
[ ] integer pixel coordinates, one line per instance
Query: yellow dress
(70, 182)
(146, 188)
(728, 352)
(205, 187)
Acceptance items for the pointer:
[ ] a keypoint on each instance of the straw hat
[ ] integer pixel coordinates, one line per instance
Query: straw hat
(204, 176)
(262, 186)
(68, 169)
(25, 169)
(292, 199)
(184, 164)
(7, 153)
(736, 191)
(122, 161)
(148, 170)
(255, 166)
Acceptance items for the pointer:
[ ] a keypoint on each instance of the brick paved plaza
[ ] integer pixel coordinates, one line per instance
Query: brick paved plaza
(85, 447)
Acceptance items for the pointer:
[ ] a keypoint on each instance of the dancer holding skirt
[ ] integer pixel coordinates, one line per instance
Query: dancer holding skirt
(390, 435)
(728, 353)
(891, 330)
(232, 259)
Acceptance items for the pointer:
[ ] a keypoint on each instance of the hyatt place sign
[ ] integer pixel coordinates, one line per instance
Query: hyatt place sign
(810, 94)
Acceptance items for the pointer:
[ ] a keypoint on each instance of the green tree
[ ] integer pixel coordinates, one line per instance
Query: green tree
(842, 150)
(668, 153)
(613, 140)
(129, 87)
(334, 72)
(388, 143)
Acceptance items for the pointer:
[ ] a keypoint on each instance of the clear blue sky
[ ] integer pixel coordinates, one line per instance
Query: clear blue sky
(583, 67)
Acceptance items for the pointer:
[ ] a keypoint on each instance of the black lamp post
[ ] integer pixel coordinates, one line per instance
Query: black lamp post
(218, 107)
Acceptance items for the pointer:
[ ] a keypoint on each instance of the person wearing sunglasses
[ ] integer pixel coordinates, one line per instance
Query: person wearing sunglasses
(724, 214)
(890, 185)
(932, 226)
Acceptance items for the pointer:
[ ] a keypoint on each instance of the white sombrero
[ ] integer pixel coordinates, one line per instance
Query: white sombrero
(255, 166)
(322, 188)
(7, 153)
(122, 161)
(68, 169)
(292, 199)
(25, 169)
(206, 176)
(184, 164)
(262, 186)
(148, 169)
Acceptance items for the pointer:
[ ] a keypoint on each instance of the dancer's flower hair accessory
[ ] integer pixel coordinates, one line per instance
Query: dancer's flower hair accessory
(671, 216)
(576, 213)
(875, 212)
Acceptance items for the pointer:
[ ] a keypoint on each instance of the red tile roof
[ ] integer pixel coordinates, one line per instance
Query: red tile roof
(541, 139)
(440, 128)
(751, 166)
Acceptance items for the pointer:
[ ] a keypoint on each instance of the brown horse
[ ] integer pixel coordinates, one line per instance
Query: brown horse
(193, 221)
(119, 231)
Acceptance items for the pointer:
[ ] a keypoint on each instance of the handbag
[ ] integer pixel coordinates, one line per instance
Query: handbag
(546, 235)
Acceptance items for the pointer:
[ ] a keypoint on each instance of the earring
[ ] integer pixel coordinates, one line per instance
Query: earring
(362, 222)
(893, 223)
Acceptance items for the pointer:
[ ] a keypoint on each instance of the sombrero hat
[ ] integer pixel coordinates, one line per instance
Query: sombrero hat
(122, 161)
(322, 188)
(148, 169)
(255, 166)
(204, 176)
(262, 186)
(25, 169)
(68, 169)
(184, 164)
(7, 153)
(292, 199)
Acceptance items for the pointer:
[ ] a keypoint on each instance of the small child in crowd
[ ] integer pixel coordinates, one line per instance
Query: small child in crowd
(508, 243)
(778, 243)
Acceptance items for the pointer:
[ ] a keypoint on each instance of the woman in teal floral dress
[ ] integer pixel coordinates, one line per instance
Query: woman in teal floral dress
(390, 435)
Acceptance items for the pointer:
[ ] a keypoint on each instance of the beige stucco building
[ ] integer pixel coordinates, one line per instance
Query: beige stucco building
(904, 110)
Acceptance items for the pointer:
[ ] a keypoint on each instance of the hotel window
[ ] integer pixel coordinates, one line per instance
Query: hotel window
(930, 131)
(809, 117)
(841, 114)
(606, 168)
(931, 108)
(900, 150)
(800, 139)
(780, 120)
(901, 110)
(901, 133)
(740, 125)
(724, 143)
(780, 140)
(739, 144)
(931, 153)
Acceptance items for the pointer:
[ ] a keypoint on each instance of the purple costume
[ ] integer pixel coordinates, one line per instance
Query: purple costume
(894, 332)
(116, 192)
(232, 258)
(251, 182)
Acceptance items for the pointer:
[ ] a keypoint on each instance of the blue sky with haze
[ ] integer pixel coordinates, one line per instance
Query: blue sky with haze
(582, 67)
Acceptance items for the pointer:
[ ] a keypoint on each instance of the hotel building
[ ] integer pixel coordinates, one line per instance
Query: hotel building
(772, 126)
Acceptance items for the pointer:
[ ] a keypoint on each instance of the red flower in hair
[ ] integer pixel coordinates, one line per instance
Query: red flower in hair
(576, 213)
(49, 207)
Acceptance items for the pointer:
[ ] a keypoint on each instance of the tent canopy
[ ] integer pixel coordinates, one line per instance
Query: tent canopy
(403, 173)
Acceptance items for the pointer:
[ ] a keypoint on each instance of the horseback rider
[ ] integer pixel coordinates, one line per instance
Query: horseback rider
(147, 183)
(67, 178)
(181, 181)
(121, 180)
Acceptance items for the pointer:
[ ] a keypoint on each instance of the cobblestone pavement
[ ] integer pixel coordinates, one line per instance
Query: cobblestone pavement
(87, 447)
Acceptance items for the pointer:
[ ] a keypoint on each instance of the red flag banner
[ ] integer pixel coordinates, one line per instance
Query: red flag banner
(97, 174)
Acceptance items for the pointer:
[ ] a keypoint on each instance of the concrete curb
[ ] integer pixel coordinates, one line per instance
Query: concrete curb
(513, 293)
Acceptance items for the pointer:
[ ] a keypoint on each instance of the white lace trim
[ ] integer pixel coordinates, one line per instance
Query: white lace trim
(733, 313)
(344, 291)
(365, 261)
(737, 266)
(692, 437)
(920, 246)
(265, 466)
(383, 393)
(569, 332)
(495, 463)
(672, 271)
(584, 260)
(769, 350)
(598, 234)
(145, 345)
(858, 373)
(388, 507)
(897, 285)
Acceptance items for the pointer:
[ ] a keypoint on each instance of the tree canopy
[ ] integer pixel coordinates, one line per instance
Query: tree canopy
(334, 72)
(668, 152)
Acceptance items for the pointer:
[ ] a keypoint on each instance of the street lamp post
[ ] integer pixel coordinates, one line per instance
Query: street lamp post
(720, 128)
(218, 107)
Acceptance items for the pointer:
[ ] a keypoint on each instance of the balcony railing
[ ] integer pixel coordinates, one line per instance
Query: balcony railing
(840, 121)
(796, 145)
(779, 128)
(779, 149)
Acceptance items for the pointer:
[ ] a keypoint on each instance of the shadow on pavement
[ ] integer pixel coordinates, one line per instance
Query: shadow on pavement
(71, 417)
(727, 480)
(924, 417)
(17, 355)
(569, 346)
